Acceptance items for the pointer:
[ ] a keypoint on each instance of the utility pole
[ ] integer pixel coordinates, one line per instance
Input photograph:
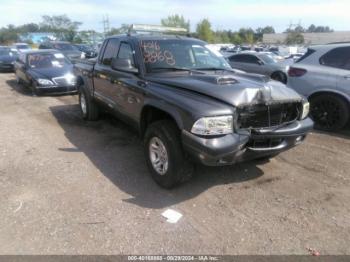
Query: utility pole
(105, 23)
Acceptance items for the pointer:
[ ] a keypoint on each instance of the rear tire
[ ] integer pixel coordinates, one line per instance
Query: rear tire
(88, 108)
(330, 112)
(164, 154)
(279, 76)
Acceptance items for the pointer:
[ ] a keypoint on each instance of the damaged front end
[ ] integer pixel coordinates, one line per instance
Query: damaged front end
(266, 122)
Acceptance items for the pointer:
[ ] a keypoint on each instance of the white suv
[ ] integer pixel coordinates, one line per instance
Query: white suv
(323, 76)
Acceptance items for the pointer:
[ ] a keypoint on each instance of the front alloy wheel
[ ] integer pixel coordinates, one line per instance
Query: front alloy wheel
(158, 156)
(166, 160)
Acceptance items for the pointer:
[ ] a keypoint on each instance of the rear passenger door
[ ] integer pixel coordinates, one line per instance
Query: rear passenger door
(246, 62)
(102, 72)
(338, 63)
(128, 90)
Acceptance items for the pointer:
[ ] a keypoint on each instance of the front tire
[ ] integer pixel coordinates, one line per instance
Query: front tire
(88, 107)
(330, 112)
(164, 154)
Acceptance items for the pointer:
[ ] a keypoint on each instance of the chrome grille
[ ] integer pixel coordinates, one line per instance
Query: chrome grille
(62, 81)
(264, 116)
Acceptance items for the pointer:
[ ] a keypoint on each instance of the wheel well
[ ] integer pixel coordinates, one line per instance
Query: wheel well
(278, 72)
(152, 114)
(80, 81)
(282, 73)
(314, 95)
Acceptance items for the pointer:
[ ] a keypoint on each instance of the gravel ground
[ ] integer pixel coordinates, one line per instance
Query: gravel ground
(71, 187)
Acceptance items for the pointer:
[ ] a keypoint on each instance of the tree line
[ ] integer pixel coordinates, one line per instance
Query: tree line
(67, 30)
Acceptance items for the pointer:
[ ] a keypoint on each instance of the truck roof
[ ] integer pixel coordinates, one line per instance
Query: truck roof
(40, 51)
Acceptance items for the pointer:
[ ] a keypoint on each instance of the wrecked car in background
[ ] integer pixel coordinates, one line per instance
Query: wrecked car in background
(189, 105)
(45, 71)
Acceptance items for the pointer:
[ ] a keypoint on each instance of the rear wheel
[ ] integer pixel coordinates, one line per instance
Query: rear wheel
(279, 76)
(164, 154)
(330, 112)
(88, 107)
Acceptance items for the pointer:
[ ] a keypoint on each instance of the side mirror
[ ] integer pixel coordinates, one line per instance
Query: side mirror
(124, 64)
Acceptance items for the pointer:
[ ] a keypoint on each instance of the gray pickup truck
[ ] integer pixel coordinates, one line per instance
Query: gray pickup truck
(189, 105)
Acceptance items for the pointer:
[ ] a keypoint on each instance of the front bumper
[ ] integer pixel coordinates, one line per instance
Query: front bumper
(244, 144)
(57, 89)
(6, 67)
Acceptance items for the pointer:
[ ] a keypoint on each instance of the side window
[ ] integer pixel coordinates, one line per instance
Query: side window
(236, 58)
(110, 52)
(125, 52)
(252, 59)
(338, 58)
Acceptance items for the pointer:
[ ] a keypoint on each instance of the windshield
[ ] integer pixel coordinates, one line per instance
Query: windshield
(8, 52)
(267, 59)
(170, 54)
(5, 51)
(65, 47)
(47, 60)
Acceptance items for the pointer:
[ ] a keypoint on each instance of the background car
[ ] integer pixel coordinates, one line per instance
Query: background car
(20, 46)
(87, 50)
(7, 58)
(323, 75)
(45, 71)
(66, 48)
(259, 63)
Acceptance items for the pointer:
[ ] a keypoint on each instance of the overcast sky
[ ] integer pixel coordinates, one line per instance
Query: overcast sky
(223, 14)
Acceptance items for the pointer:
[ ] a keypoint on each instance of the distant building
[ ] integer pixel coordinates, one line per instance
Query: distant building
(37, 37)
(310, 38)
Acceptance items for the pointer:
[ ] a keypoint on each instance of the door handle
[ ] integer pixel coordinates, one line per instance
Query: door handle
(347, 77)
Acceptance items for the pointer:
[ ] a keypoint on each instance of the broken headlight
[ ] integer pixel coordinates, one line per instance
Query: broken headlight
(44, 82)
(211, 126)
(306, 109)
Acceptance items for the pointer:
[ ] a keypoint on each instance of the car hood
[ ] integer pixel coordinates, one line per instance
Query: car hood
(7, 58)
(49, 73)
(235, 89)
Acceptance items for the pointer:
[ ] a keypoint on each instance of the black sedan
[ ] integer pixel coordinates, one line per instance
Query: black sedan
(45, 71)
(7, 59)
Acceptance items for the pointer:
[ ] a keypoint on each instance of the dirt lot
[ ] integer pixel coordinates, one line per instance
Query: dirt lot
(70, 187)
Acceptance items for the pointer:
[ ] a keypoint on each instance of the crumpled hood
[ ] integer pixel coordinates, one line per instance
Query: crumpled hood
(236, 89)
